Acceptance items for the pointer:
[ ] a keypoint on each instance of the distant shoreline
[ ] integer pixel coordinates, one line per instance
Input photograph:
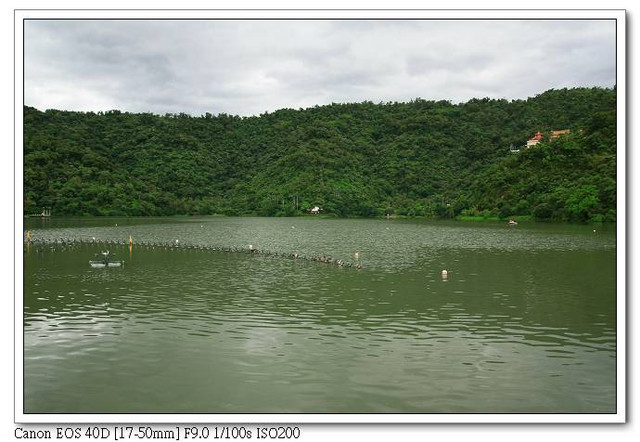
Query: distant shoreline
(460, 218)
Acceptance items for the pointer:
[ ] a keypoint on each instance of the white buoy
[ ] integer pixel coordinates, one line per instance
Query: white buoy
(357, 255)
(177, 241)
(445, 274)
(250, 247)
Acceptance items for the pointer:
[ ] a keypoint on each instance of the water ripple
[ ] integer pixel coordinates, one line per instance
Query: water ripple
(525, 321)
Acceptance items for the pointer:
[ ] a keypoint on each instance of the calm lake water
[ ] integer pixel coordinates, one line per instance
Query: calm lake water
(524, 322)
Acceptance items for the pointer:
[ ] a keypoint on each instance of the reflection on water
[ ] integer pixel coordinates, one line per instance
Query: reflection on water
(524, 322)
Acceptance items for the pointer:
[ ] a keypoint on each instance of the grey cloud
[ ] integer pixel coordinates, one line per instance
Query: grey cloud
(248, 67)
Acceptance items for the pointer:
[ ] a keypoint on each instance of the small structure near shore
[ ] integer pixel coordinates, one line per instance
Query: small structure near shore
(46, 213)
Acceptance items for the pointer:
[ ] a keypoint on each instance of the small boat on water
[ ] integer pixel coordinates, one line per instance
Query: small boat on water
(513, 222)
(105, 259)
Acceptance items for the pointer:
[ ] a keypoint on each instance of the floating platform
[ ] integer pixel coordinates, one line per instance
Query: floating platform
(106, 260)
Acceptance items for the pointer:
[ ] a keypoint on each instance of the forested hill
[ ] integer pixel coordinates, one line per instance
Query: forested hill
(421, 158)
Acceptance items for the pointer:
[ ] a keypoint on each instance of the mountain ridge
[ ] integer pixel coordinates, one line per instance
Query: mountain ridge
(417, 158)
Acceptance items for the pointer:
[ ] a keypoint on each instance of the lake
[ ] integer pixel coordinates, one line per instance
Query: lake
(195, 322)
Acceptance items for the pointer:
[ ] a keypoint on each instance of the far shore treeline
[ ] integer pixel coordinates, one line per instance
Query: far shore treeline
(420, 158)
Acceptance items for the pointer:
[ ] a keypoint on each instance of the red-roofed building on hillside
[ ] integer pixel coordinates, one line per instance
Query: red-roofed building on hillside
(538, 137)
(535, 140)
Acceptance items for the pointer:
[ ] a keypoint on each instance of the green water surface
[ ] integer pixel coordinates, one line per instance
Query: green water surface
(525, 322)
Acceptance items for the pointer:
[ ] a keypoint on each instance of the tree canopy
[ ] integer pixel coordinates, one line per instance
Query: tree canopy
(419, 158)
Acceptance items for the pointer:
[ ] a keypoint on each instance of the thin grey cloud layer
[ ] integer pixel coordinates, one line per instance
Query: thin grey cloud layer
(245, 67)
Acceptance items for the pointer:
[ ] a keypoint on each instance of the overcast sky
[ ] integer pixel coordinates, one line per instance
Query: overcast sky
(249, 67)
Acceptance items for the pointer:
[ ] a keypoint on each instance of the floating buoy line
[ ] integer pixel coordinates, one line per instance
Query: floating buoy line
(69, 243)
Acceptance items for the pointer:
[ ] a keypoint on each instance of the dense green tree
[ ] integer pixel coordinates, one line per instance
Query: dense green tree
(421, 158)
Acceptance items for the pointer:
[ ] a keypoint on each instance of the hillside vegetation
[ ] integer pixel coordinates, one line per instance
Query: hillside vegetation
(421, 158)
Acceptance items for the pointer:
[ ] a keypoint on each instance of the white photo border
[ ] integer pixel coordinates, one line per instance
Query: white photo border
(318, 14)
